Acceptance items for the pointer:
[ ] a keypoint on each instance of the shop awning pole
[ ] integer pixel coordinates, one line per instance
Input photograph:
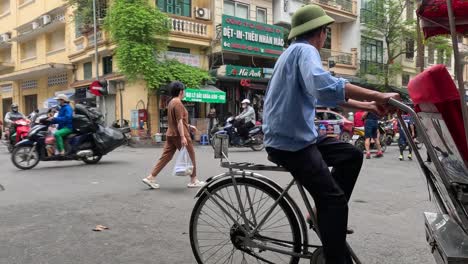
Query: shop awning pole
(458, 66)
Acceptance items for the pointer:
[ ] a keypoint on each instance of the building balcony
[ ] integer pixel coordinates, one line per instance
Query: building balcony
(190, 27)
(341, 10)
(5, 65)
(341, 58)
(45, 23)
(85, 42)
(432, 61)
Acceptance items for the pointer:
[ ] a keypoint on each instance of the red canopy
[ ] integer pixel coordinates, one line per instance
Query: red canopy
(434, 17)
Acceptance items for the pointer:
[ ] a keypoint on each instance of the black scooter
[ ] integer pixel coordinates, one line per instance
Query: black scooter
(255, 138)
(83, 146)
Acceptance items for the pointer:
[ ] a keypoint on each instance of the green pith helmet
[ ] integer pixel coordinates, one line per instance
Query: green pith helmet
(308, 18)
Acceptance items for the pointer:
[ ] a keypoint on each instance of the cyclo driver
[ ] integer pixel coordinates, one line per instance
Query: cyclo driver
(299, 83)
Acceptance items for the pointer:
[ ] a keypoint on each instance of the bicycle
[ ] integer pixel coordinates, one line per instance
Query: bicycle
(243, 217)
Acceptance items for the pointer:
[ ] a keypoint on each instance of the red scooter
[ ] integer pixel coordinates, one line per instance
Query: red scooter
(19, 130)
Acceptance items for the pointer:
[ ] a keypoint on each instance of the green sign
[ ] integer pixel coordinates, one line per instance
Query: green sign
(204, 96)
(251, 37)
(244, 72)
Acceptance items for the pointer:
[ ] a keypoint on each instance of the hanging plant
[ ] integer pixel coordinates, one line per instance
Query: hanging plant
(83, 14)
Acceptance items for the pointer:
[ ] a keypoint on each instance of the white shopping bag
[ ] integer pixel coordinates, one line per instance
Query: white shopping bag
(183, 165)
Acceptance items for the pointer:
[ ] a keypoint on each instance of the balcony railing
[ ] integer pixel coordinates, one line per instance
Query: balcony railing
(188, 27)
(338, 56)
(431, 61)
(345, 5)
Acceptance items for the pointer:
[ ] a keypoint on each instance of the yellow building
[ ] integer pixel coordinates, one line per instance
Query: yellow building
(33, 52)
(44, 52)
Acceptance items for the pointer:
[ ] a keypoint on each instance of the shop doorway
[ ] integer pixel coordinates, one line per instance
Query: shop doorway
(30, 104)
(6, 103)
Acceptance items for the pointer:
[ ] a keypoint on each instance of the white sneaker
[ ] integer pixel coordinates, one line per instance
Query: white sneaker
(196, 184)
(152, 184)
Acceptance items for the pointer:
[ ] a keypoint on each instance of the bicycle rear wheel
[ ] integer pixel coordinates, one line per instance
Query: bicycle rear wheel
(215, 236)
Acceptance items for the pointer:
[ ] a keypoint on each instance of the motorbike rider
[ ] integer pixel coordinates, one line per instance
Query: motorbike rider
(247, 117)
(13, 116)
(64, 121)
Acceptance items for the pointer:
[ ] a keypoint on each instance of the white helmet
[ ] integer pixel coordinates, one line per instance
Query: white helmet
(246, 101)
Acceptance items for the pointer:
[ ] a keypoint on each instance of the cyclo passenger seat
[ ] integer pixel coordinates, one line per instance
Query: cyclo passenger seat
(433, 91)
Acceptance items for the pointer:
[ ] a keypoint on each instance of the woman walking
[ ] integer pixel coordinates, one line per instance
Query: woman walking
(177, 136)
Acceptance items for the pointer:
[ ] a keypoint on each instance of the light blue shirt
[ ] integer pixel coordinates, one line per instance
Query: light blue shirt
(298, 83)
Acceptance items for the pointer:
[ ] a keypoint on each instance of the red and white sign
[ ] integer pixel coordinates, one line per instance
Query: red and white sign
(95, 88)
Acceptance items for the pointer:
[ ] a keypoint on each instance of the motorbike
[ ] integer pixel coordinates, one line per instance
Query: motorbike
(255, 138)
(359, 137)
(18, 131)
(390, 132)
(89, 142)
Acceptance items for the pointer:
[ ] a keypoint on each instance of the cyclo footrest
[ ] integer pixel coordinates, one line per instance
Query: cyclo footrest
(448, 241)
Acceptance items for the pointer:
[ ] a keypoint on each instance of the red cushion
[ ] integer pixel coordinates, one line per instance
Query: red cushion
(435, 86)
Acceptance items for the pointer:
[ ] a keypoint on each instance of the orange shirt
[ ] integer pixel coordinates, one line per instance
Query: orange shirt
(175, 112)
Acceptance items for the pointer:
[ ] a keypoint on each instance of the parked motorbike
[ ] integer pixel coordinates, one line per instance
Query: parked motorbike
(255, 139)
(18, 131)
(359, 137)
(89, 142)
(390, 133)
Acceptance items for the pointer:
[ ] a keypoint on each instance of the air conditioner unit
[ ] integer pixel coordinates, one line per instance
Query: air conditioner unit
(34, 25)
(46, 19)
(5, 37)
(202, 13)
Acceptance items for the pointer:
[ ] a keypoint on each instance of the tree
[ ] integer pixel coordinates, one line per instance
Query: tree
(384, 19)
(140, 32)
(83, 12)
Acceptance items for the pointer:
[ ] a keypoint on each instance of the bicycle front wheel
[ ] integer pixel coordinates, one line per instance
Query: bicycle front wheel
(219, 233)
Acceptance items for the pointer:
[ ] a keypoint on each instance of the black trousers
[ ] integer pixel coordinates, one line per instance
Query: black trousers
(244, 129)
(331, 191)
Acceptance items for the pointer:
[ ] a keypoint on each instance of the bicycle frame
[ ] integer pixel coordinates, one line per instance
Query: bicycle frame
(239, 169)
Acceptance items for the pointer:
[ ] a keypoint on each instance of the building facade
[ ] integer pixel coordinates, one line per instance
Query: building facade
(34, 44)
(343, 36)
(43, 52)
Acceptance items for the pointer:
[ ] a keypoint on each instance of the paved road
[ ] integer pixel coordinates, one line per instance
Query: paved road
(47, 214)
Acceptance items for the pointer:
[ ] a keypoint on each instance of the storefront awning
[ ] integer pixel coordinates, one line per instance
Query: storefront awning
(49, 68)
(206, 94)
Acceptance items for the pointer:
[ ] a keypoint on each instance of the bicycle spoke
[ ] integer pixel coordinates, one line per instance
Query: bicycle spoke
(221, 223)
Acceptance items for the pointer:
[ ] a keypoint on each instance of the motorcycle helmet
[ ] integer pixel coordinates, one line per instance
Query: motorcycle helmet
(14, 107)
(246, 101)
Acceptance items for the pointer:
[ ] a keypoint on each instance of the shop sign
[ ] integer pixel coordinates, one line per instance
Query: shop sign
(204, 96)
(244, 72)
(251, 37)
(185, 58)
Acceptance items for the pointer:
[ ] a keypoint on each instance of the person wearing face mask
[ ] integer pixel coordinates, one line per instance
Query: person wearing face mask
(247, 119)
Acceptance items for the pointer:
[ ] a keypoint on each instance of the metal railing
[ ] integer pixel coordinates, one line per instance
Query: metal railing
(338, 56)
(432, 61)
(345, 5)
(188, 27)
